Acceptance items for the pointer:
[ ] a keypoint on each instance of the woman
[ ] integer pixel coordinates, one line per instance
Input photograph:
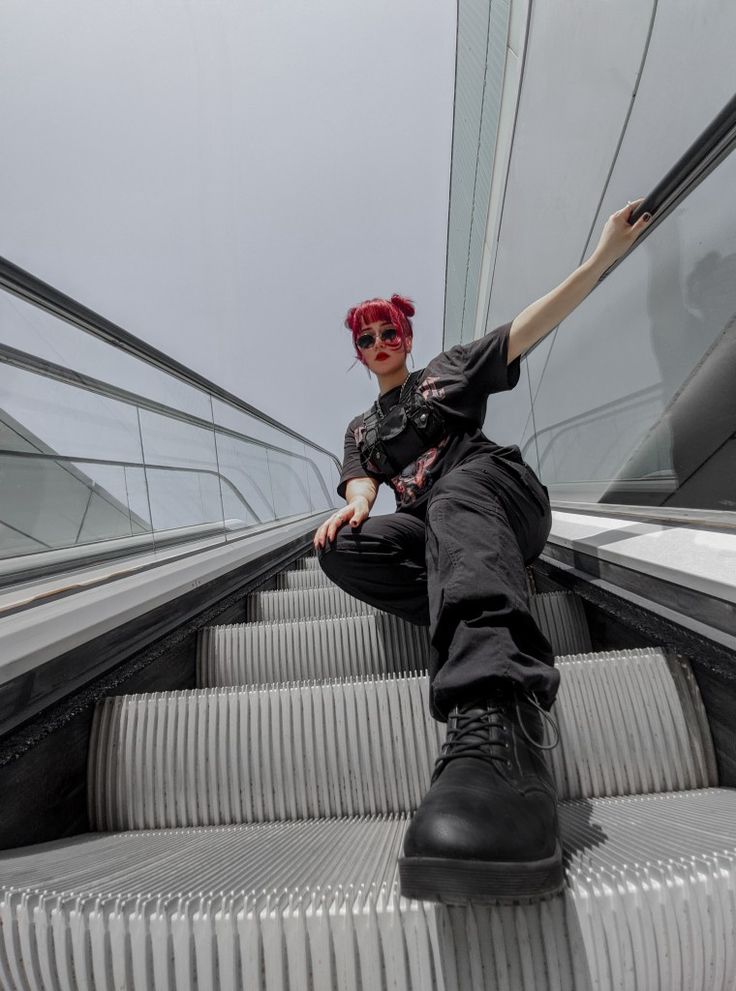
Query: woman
(470, 515)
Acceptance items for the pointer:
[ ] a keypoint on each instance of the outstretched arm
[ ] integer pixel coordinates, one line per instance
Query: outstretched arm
(541, 316)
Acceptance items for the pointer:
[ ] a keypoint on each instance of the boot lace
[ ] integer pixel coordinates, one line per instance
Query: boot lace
(471, 733)
(532, 698)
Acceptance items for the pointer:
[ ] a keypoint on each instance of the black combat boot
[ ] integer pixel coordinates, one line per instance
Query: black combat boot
(487, 829)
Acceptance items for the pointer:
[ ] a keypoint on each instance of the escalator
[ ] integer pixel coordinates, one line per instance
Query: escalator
(245, 834)
(209, 754)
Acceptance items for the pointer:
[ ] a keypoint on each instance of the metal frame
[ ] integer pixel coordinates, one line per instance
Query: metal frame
(705, 519)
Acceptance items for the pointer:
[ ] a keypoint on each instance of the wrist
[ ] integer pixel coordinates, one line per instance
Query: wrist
(597, 264)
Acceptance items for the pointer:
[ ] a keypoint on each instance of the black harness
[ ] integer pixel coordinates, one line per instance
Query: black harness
(393, 440)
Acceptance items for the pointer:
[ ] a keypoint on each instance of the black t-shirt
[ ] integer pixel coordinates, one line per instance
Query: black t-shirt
(458, 382)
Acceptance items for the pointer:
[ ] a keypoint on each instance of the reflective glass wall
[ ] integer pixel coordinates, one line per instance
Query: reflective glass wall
(102, 453)
(633, 398)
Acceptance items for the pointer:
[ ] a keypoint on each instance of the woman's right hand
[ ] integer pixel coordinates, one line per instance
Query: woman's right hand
(354, 513)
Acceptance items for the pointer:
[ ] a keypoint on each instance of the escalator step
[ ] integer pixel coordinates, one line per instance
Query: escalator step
(628, 722)
(335, 644)
(296, 650)
(561, 617)
(316, 578)
(303, 578)
(314, 906)
(307, 595)
(308, 603)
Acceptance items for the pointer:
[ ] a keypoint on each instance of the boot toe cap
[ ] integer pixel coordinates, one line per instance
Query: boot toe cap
(463, 823)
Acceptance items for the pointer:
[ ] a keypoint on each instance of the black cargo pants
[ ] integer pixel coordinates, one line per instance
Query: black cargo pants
(457, 565)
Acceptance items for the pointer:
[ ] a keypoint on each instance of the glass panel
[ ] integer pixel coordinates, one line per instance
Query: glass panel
(279, 475)
(291, 494)
(246, 482)
(79, 467)
(634, 399)
(49, 504)
(40, 414)
(182, 473)
(509, 418)
(31, 329)
(319, 475)
(334, 479)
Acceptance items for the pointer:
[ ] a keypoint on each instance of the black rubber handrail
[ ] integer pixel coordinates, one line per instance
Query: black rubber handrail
(714, 144)
(32, 289)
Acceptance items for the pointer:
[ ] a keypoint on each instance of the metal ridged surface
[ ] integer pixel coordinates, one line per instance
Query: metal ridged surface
(561, 617)
(308, 603)
(312, 576)
(624, 729)
(299, 650)
(316, 578)
(365, 746)
(231, 755)
(303, 578)
(650, 903)
(338, 646)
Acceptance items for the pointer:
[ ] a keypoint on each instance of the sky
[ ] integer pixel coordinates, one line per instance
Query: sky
(225, 179)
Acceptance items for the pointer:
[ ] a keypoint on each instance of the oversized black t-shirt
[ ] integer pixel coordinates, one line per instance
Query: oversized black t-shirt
(458, 382)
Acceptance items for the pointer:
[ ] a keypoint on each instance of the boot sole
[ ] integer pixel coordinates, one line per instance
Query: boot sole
(458, 882)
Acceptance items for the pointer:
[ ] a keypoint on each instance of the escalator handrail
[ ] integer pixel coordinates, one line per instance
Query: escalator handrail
(32, 289)
(60, 373)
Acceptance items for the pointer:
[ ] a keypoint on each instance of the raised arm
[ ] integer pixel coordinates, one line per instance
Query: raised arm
(544, 314)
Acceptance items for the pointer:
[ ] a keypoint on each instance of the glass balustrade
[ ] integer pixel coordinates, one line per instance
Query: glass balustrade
(632, 400)
(103, 453)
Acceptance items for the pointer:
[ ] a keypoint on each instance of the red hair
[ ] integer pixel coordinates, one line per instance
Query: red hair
(398, 310)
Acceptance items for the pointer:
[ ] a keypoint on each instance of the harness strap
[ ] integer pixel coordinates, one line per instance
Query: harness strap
(391, 449)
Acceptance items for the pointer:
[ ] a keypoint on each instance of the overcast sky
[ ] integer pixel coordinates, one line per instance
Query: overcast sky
(224, 179)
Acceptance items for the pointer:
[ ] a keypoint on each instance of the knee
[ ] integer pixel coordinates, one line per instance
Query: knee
(331, 557)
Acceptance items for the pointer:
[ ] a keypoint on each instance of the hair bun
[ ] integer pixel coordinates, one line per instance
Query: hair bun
(404, 304)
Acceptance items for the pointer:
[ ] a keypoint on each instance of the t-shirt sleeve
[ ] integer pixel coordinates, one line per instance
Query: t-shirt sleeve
(483, 362)
(352, 466)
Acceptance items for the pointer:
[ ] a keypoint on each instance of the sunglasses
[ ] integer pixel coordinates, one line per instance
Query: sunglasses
(366, 341)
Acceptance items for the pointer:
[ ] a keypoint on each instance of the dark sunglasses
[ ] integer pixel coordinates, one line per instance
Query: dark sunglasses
(366, 341)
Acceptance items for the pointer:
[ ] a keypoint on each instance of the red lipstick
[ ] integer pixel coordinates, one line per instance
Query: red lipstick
(381, 356)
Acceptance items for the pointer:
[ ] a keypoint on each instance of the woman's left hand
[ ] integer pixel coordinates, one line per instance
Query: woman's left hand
(618, 234)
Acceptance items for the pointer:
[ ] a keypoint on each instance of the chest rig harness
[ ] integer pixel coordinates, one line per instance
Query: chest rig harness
(392, 440)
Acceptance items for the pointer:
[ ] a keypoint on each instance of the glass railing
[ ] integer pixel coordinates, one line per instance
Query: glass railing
(109, 448)
(633, 400)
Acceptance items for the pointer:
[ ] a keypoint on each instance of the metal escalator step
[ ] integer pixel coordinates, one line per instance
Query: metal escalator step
(307, 603)
(561, 617)
(316, 578)
(233, 648)
(648, 905)
(303, 578)
(630, 722)
(218, 756)
(298, 650)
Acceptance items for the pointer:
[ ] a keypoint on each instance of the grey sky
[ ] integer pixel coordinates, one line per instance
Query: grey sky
(224, 179)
